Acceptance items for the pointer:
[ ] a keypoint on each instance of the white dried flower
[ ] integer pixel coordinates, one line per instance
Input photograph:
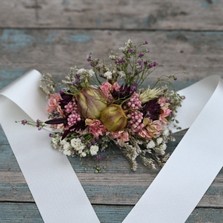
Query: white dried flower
(129, 43)
(159, 151)
(166, 132)
(108, 75)
(94, 150)
(151, 144)
(121, 74)
(159, 140)
(112, 57)
(163, 146)
(55, 141)
(83, 154)
(67, 152)
(81, 71)
(77, 144)
(66, 145)
(91, 73)
(122, 48)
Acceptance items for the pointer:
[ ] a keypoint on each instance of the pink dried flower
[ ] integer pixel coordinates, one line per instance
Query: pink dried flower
(116, 86)
(106, 89)
(135, 121)
(54, 103)
(163, 101)
(121, 136)
(70, 107)
(134, 102)
(165, 111)
(164, 114)
(152, 129)
(73, 118)
(96, 128)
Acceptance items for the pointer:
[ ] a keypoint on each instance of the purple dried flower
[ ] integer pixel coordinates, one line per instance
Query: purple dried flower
(80, 125)
(131, 51)
(153, 64)
(39, 124)
(120, 61)
(152, 109)
(141, 54)
(24, 122)
(124, 91)
(66, 98)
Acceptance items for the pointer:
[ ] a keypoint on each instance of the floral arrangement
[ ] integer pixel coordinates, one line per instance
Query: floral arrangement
(107, 104)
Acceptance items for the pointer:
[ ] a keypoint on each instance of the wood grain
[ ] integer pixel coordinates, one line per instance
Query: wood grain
(188, 55)
(116, 184)
(116, 14)
(28, 212)
(185, 38)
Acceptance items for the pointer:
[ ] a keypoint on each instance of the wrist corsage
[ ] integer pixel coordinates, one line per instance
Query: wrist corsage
(93, 109)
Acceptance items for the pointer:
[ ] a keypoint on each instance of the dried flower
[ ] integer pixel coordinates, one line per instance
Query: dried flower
(91, 102)
(114, 118)
(85, 118)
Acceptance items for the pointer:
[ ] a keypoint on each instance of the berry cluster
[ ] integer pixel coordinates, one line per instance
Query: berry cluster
(136, 118)
(134, 102)
(74, 117)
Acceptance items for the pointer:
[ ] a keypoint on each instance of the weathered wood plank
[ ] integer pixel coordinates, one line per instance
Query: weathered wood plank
(116, 180)
(28, 212)
(116, 14)
(189, 55)
(107, 188)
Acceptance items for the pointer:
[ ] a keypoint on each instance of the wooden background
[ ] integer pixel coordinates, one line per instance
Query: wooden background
(186, 38)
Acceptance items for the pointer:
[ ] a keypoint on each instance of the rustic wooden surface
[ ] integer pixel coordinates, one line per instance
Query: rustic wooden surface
(186, 38)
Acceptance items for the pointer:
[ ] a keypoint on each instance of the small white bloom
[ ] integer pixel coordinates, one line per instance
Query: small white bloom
(67, 152)
(67, 146)
(91, 73)
(163, 147)
(159, 151)
(166, 132)
(81, 71)
(77, 144)
(122, 48)
(121, 74)
(83, 154)
(108, 75)
(94, 150)
(159, 140)
(151, 144)
(129, 42)
(112, 57)
(55, 142)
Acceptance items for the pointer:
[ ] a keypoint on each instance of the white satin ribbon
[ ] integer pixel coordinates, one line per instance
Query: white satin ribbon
(195, 162)
(54, 185)
(170, 198)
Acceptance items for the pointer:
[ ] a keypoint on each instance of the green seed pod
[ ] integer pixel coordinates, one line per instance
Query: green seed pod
(91, 102)
(114, 118)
